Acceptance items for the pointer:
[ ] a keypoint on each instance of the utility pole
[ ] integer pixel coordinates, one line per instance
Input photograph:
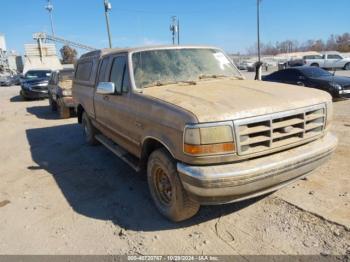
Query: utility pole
(259, 64)
(49, 8)
(108, 7)
(258, 28)
(178, 31)
(174, 28)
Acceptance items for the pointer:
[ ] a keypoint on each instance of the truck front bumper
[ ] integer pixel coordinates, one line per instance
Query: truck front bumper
(247, 179)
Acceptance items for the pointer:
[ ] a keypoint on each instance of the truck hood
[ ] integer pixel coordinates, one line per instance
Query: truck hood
(228, 99)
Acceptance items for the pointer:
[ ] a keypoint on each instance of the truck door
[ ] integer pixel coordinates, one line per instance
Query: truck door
(333, 61)
(114, 111)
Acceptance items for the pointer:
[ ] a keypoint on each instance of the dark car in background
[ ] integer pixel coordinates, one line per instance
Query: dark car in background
(34, 84)
(337, 86)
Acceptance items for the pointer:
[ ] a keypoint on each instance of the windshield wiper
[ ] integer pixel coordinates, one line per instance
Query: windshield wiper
(204, 76)
(160, 83)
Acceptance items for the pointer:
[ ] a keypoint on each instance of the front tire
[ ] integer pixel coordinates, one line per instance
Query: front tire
(53, 104)
(24, 98)
(166, 189)
(89, 130)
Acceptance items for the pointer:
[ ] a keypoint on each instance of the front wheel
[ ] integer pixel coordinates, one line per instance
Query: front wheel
(347, 66)
(166, 189)
(53, 104)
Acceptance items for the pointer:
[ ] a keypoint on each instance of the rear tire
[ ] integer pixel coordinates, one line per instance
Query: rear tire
(347, 66)
(89, 130)
(166, 189)
(63, 111)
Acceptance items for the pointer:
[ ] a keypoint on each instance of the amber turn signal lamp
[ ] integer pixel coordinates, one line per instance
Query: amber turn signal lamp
(209, 149)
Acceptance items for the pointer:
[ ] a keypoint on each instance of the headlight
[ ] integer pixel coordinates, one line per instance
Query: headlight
(336, 86)
(210, 139)
(27, 86)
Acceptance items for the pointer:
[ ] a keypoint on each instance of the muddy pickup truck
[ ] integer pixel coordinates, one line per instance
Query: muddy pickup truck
(60, 92)
(202, 133)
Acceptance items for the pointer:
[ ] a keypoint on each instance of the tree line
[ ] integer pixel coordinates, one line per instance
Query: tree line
(340, 43)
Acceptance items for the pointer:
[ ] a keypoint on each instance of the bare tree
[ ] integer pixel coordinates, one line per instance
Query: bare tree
(69, 55)
(339, 43)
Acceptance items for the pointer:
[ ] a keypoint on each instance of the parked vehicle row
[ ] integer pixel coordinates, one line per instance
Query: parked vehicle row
(202, 133)
(328, 61)
(336, 86)
(9, 80)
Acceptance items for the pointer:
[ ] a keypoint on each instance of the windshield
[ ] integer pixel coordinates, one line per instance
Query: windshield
(315, 72)
(38, 74)
(158, 67)
(66, 75)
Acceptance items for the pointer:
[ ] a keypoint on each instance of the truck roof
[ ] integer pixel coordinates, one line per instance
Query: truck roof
(107, 51)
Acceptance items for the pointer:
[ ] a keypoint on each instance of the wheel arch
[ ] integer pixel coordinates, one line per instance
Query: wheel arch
(150, 144)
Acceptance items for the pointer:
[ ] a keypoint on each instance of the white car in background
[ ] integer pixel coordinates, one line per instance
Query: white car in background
(328, 61)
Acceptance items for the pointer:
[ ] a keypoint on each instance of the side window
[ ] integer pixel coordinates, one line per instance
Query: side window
(334, 57)
(126, 79)
(83, 71)
(55, 80)
(102, 72)
(119, 74)
(52, 79)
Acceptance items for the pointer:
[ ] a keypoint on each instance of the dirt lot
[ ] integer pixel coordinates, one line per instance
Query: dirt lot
(60, 196)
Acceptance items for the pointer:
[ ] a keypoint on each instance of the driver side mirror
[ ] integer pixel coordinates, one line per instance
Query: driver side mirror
(105, 88)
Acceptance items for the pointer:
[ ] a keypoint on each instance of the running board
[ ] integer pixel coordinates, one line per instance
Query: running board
(120, 152)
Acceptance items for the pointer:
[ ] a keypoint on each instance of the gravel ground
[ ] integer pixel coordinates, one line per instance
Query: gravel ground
(60, 196)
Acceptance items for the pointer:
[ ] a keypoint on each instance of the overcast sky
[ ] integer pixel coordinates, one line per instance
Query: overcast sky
(229, 24)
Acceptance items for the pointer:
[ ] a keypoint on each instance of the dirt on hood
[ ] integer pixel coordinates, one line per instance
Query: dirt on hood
(227, 99)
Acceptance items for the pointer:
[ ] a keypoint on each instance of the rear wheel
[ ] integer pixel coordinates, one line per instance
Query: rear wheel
(89, 130)
(347, 66)
(63, 111)
(166, 189)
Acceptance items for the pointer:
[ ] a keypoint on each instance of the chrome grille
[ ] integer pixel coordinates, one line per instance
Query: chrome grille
(267, 132)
